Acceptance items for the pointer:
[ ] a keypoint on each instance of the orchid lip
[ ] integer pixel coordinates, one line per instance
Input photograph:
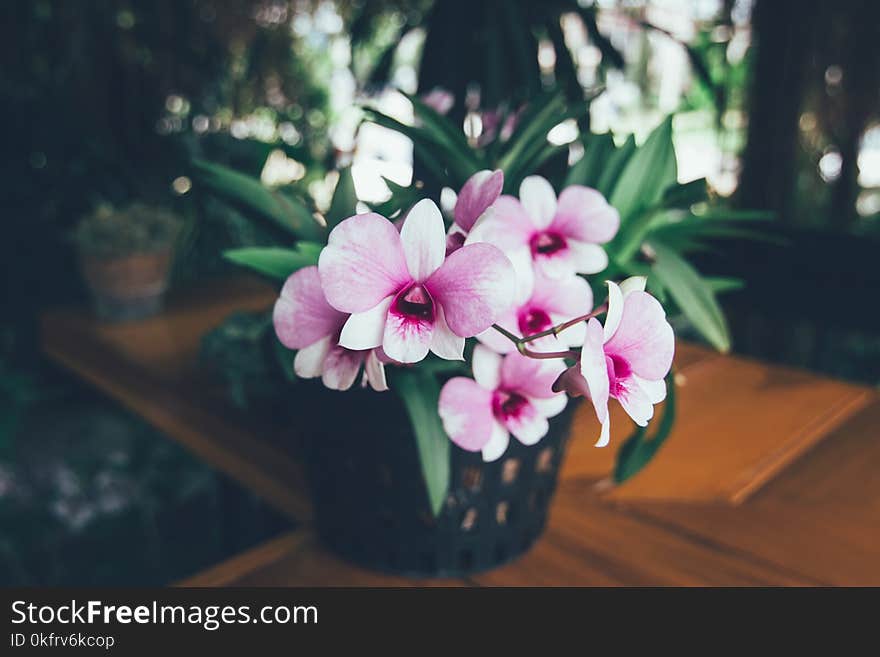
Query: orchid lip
(618, 371)
(547, 243)
(507, 404)
(414, 302)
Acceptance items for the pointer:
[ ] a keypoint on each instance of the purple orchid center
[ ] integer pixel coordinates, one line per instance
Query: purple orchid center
(534, 320)
(454, 241)
(618, 371)
(415, 303)
(507, 404)
(547, 243)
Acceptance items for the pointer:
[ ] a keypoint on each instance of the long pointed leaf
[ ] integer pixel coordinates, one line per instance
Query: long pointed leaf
(344, 201)
(598, 150)
(276, 262)
(638, 450)
(420, 393)
(285, 212)
(692, 295)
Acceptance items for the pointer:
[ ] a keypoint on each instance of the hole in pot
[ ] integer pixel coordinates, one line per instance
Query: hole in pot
(472, 478)
(385, 476)
(469, 519)
(465, 559)
(532, 500)
(509, 471)
(501, 552)
(501, 513)
(545, 461)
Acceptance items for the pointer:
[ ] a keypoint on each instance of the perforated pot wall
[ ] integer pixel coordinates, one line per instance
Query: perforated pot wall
(372, 507)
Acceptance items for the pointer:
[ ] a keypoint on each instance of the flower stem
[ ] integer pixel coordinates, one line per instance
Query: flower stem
(521, 342)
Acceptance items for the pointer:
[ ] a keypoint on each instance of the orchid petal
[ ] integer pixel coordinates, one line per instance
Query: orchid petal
(374, 371)
(486, 366)
(507, 226)
(495, 340)
(366, 330)
(587, 258)
(552, 406)
(479, 192)
(407, 339)
(498, 442)
(615, 310)
(644, 338)
(594, 370)
(524, 271)
(341, 368)
(527, 424)
(539, 200)
(475, 285)
(530, 376)
(424, 240)
(633, 284)
(584, 215)
(572, 382)
(635, 402)
(605, 433)
(302, 315)
(309, 361)
(466, 412)
(444, 342)
(655, 390)
(362, 263)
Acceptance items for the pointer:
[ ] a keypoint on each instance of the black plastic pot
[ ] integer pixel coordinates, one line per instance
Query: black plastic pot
(371, 504)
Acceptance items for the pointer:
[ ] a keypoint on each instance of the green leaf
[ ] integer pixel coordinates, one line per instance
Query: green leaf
(722, 284)
(684, 195)
(598, 149)
(276, 262)
(446, 132)
(420, 393)
(285, 212)
(533, 132)
(615, 164)
(344, 201)
(692, 295)
(647, 174)
(638, 450)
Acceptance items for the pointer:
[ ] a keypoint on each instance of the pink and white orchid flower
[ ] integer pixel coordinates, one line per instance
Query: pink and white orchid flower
(404, 294)
(510, 394)
(305, 321)
(476, 196)
(552, 302)
(628, 359)
(561, 237)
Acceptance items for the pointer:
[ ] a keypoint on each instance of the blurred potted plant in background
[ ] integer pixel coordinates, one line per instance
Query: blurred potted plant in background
(125, 256)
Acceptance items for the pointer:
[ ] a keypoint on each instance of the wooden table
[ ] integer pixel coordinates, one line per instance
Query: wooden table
(768, 479)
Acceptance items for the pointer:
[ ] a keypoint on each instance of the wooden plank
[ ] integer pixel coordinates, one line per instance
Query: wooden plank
(297, 559)
(152, 367)
(591, 543)
(820, 517)
(739, 423)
